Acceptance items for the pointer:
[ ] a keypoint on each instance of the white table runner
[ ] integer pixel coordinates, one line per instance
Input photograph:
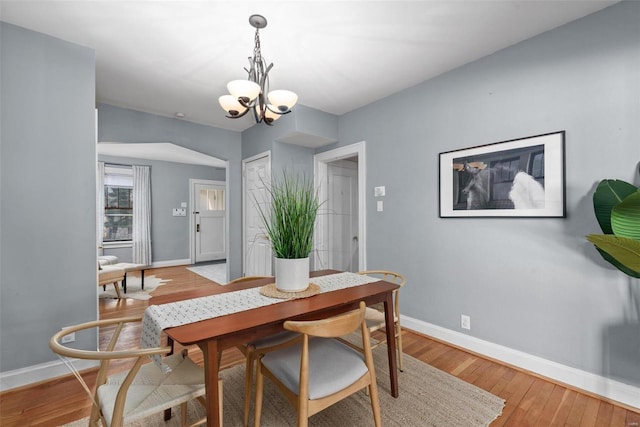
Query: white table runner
(159, 317)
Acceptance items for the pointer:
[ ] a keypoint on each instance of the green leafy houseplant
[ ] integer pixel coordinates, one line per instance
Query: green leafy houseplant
(290, 220)
(617, 208)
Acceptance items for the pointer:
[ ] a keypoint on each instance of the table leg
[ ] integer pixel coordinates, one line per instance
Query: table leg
(390, 327)
(211, 369)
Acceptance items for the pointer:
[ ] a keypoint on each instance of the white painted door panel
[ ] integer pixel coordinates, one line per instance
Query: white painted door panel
(257, 247)
(210, 232)
(343, 215)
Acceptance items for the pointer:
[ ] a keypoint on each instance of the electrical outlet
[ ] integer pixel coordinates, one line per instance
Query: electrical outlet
(465, 321)
(68, 338)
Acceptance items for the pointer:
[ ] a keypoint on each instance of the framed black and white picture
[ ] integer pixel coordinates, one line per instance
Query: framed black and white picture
(518, 178)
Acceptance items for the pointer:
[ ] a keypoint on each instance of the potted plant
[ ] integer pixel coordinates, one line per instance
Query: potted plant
(617, 207)
(289, 223)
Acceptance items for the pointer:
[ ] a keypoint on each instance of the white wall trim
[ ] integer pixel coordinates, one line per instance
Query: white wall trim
(170, 263)
(320, 162)
(42, 372)
(592, 383)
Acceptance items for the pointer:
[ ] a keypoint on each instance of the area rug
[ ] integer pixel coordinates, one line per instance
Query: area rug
(428, 397)
(215, 272)
(134, 288)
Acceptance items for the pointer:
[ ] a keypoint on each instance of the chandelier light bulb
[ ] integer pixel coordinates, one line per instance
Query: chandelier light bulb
(269, 115)
(245, 89)
(283, 100)
(231, 105)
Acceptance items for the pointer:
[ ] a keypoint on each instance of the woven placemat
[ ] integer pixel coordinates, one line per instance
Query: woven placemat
(271, 291)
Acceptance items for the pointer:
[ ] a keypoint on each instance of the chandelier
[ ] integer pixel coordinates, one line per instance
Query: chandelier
(253, 94)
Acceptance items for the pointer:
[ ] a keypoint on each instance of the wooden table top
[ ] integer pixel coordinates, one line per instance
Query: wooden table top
(268, 319)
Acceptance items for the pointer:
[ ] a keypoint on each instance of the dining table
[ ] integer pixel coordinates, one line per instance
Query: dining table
(215, 334)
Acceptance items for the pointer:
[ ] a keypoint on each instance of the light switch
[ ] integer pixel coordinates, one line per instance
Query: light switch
(183, 204)
(380, 205)
(379, 191)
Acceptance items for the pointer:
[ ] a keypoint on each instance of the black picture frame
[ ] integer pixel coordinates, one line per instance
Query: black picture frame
(522, 177)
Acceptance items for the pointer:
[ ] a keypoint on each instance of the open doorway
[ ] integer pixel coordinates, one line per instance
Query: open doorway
(168, 158)
(341, 226)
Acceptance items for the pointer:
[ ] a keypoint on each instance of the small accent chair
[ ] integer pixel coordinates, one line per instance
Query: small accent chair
(375, 314)
(108, 274)
(254, 349)
(144, 389)
(320, 371)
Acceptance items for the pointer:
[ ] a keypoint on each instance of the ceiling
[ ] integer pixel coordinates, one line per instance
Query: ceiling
(165, 151)
(165, 57)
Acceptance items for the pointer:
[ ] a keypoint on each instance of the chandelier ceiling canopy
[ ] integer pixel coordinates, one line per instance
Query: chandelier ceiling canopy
(253, 94)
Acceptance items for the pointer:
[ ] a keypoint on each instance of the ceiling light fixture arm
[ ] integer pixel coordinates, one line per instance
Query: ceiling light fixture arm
(253, 94)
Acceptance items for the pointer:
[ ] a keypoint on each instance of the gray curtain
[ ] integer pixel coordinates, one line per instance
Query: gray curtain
(100, 205)
(141, 232)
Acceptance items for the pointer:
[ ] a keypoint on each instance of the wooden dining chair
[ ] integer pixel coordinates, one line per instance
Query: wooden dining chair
(318, 372)
(142, 390)
(254, 349)
(375, 314)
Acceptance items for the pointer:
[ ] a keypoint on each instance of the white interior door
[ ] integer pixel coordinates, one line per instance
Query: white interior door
(342, 201)
(210, 222)
(327, 237)
(258, 255)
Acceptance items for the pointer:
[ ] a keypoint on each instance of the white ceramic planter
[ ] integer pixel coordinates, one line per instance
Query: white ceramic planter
(292, 275)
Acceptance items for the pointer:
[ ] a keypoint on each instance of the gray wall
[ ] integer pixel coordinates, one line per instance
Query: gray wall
(533, 285)
(47, 188)
(169, 187)
(128, 126)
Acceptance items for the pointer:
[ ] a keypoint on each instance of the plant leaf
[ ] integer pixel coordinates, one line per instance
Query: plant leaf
(625, 217)
(608, 194)
(290, 219)
(621, 252)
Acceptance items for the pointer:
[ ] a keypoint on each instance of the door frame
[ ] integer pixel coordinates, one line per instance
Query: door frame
(264, 154)
(192, 225)
(320, 162)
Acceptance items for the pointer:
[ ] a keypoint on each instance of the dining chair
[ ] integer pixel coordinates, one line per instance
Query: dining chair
(140, 391)
(319, 371)
(254, 349)
(374, 315)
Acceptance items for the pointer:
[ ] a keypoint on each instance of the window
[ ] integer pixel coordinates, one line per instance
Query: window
(212, 199)
(118, 203)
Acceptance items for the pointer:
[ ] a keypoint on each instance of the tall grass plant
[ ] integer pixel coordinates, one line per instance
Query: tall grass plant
(290, 220)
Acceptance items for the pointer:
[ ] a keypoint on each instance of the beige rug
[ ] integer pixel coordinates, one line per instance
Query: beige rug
(216, 272)
(134, 288)
(428, 397)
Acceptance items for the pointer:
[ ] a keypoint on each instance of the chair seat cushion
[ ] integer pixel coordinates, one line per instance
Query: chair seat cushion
(325, 355)
(375, 318)
(107, 259)
(129, 266)
(109, 274)
(153, 390)
(272, 340)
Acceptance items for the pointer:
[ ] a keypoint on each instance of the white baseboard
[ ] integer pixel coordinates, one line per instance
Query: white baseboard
(601, 386)
(49, 370)
(42, 372)
(171, 263)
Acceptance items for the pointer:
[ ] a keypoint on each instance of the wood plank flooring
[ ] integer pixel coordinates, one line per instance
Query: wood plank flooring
(530, 400)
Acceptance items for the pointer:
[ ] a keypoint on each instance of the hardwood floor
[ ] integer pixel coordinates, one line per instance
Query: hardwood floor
(530, 400)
